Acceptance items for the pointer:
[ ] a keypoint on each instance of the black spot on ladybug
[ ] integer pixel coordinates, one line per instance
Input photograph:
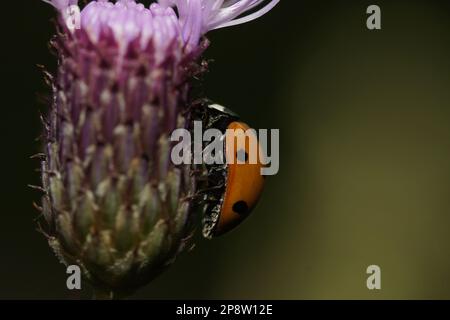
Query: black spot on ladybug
(240, 207)
(242, 156)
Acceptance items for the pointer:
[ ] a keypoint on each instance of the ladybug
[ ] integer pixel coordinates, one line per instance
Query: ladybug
(234, 187)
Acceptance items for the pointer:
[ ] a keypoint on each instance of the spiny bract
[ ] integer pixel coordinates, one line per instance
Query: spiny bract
(113, 201)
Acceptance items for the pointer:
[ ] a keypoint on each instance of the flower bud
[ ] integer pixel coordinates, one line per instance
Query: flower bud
(114, 203)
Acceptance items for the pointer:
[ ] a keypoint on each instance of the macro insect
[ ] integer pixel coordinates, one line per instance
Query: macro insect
(234, 187)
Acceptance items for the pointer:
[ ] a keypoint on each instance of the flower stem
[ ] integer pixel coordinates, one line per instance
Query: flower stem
(101, 294)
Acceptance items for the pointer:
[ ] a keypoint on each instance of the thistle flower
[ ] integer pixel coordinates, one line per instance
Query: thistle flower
(114, 203)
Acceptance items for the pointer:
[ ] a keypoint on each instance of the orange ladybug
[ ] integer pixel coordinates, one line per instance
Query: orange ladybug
(234, 187)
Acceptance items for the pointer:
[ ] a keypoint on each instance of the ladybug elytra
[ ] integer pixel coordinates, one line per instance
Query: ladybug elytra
(234, 187)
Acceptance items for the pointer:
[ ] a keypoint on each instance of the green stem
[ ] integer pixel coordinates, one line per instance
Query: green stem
(108, 294)
(101, 294)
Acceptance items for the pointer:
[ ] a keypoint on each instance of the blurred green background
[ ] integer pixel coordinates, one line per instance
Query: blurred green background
(365, 155)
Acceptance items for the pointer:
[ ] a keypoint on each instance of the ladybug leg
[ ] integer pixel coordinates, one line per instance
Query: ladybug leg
(199, 172)
(207, 190)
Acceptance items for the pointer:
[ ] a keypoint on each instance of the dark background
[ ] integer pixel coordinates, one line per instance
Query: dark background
(365, 155)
